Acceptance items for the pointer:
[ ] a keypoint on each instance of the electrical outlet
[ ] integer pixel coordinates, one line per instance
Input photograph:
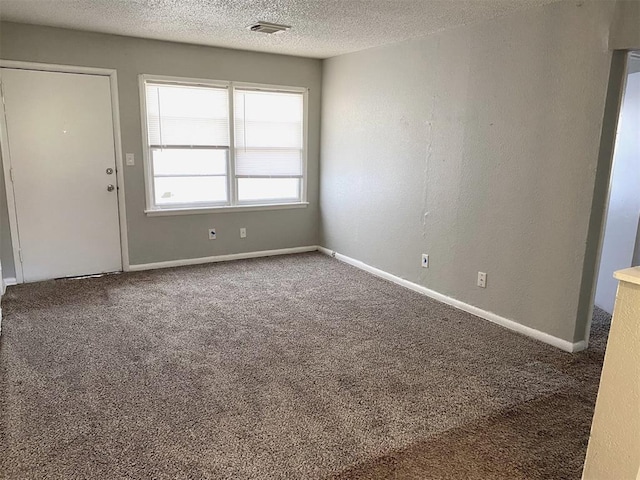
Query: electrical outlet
(482, 280)
(243, 232)
(130, 159)
(212, 234)
(425, 260)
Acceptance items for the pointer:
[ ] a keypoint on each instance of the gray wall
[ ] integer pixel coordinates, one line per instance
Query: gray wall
(2, 242)
(635, 261)
(155, 239)
(625, 31)
(6, 252)
(621, 230)
(479, 146)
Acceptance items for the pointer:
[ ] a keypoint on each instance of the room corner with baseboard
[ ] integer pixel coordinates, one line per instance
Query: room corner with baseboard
(483, 314)
(367, 247)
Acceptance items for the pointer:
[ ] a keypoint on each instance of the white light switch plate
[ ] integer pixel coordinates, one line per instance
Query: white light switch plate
(130, 159)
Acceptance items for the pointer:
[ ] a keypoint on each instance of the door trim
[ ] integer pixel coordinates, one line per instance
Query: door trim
(6, 155)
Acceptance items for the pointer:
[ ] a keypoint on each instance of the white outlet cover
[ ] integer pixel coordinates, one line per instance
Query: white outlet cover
(243, 233)
(425, 260)
(482, 279)
(212, 234)
(130, 159)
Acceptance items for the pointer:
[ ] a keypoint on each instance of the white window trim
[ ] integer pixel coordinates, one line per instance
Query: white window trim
(154, 210)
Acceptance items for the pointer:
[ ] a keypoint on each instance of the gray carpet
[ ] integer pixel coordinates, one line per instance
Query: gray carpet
(293, 367)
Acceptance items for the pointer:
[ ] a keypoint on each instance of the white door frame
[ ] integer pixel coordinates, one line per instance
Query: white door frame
(6, 156)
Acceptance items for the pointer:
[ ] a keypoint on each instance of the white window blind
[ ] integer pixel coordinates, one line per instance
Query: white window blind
(187, 115)
(188, 135)
(190, 161)
(269, 143)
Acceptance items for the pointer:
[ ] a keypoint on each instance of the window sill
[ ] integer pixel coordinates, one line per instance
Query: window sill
(232, 209)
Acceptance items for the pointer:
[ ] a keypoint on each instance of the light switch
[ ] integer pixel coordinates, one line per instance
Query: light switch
(130, 159)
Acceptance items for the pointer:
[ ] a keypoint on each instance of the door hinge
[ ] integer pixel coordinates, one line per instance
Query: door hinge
(11, 174)
(20, 256)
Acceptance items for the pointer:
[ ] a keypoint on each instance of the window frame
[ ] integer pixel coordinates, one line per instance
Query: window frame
(151, 209)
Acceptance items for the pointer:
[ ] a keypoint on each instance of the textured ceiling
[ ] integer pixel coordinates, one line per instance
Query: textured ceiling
(321, 28)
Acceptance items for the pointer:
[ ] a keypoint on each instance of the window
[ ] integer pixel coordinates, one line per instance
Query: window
(268, 145)
(197, 158)
(188, 139)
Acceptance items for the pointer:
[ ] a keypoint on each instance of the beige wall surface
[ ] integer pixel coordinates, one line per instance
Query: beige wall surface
(614, 445)
(156, 239)
(476, 145)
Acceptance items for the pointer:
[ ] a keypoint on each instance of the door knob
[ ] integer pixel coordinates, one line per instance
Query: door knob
(110, 188)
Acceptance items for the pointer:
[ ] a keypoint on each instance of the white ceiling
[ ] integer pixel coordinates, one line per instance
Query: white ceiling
(320, 28)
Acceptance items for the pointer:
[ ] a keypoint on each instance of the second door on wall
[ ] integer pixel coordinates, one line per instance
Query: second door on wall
(62, 159)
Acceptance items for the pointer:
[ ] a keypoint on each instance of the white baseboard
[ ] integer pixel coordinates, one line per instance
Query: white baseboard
(478, 312)
(490, 316)
(220, 258)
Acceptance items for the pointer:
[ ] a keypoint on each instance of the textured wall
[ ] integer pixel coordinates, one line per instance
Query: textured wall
(478, 146)
(621, 231)
(176, 237)
(614, 445)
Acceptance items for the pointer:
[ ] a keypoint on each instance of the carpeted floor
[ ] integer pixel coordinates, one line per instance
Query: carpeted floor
(292, 367)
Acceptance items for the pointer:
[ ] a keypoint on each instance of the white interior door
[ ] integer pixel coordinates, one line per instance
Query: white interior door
(61, 146)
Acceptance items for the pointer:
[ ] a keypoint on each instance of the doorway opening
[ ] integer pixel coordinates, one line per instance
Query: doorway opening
(619, 232)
